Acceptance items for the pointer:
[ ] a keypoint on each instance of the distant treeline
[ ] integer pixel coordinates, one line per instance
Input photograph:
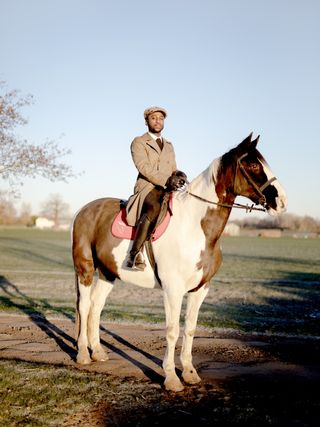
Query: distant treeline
(284, 222)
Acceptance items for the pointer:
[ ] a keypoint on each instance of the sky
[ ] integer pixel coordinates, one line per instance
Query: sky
(221, 68)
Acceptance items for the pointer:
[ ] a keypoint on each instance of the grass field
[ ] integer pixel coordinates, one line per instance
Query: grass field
(265, 284)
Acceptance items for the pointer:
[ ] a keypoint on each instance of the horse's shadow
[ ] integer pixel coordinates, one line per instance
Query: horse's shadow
(148, 372)
(32, 308)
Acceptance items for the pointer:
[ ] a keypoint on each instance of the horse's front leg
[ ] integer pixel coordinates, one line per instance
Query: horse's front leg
(98, 297)
(194, 302)
(172, 304)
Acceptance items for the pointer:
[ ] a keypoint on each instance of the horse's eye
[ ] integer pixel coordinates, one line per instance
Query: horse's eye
(254, 167)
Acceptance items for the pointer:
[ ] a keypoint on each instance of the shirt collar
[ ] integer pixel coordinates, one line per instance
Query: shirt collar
(154, 137)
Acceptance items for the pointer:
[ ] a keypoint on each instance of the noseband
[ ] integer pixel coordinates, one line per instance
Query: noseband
(258, 190)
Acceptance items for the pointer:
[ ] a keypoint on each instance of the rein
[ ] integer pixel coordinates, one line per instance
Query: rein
(258, 190)
(226, 205)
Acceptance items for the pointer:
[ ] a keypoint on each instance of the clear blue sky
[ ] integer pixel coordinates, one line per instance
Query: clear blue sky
(221, 68)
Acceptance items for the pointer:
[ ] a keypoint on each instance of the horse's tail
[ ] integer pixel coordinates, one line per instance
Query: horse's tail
(77, 314)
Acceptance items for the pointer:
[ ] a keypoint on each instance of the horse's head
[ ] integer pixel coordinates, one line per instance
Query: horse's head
(253, 178)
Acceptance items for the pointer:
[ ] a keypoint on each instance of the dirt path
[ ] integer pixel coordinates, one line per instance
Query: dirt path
(245, 361)
(137, 350)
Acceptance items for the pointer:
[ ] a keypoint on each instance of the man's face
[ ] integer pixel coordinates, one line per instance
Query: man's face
(155, 122)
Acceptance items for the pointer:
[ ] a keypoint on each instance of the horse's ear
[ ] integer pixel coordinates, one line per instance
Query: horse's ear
(246, 143)
(248, 139)
(255, 141)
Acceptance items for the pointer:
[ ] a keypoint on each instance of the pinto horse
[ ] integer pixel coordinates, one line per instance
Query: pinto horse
(187, 255)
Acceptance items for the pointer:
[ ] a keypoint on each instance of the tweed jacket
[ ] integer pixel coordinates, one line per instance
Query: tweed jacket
(154, 168)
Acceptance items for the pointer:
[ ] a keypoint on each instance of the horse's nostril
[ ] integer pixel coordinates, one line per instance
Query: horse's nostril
(282, 203)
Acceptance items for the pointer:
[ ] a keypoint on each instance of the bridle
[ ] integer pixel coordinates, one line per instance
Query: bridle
(258, 190)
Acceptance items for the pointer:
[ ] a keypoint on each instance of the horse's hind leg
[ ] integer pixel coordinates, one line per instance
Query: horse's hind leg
(83, 308)
(194, 302)
(99, 294)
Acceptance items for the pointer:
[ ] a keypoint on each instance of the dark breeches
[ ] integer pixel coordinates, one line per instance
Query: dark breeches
(152, 204)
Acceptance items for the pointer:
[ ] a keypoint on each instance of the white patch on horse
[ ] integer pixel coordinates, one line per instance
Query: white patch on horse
(145, 279)
(186, 240)
(204, 183)
(282, 198)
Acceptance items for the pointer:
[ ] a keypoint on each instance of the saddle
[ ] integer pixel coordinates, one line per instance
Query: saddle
(122, 230)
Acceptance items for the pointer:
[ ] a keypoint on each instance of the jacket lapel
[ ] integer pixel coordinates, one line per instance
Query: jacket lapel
(151, 142)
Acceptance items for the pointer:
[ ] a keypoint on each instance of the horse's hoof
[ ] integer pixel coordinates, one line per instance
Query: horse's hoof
(83, 359)
(99, 356)
(190, 376)
(173, 384)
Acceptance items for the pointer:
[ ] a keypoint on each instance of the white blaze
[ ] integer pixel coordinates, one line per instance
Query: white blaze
(281, 200)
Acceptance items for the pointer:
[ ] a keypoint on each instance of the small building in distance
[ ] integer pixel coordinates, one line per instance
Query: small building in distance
(44, 223)
(231, 229)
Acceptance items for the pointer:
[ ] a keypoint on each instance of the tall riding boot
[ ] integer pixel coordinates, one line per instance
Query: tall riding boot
(135, 259)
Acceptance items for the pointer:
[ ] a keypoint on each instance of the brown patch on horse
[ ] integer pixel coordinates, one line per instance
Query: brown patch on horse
(93, 242)
(210, 257)
(214, 221)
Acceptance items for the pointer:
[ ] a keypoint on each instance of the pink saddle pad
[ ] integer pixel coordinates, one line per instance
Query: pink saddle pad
(122, 230)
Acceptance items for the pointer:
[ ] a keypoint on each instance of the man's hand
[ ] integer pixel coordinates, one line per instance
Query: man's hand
(176, 181)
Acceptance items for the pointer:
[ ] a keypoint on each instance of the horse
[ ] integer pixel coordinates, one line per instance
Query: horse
(186, 256)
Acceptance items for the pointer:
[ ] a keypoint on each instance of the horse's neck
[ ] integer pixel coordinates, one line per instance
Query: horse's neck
(205, 187)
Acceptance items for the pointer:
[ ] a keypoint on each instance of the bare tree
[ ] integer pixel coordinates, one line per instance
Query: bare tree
(25, 216)
(20, 158)
(308, 223)
(289, 221)
(55, 209)
(8, 213)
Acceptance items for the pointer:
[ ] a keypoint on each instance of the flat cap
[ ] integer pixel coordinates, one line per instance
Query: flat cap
(151, 110)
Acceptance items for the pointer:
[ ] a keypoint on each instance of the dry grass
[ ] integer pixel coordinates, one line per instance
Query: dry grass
(43, 395)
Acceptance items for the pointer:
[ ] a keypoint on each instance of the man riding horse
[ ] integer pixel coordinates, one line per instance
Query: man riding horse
(154, 158)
